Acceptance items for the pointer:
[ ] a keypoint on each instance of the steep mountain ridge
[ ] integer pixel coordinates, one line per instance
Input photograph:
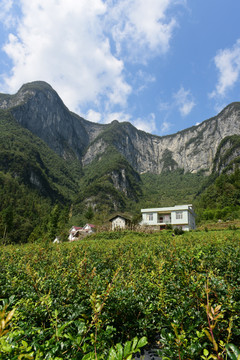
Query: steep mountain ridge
(192, 149)
(26, 158)
(51, 158)
(228, 154)
(38, 107)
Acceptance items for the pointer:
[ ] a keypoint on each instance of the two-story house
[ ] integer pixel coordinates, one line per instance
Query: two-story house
(181, 216)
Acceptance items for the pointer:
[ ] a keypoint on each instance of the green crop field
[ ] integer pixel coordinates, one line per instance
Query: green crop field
(102, 297)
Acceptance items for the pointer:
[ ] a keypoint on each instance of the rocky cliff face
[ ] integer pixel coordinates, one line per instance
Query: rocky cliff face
(37, 107)
(228, 154)
(193, 149)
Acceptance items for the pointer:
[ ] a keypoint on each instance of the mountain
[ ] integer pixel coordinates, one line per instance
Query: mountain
(228, 154)
(193, 149)
(27, 158)
(37, 107)
(33, 178)
(67, 159)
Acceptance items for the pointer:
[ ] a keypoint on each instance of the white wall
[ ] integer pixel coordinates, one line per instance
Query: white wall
(118, 223)
(183, 220)
(187, 221)
(150, 222)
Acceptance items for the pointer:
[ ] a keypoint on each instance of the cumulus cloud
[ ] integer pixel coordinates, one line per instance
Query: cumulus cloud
(81, 49)
(141, 29)
(120, 116)
(5, 15)
(94, 116)
(63, 43)
(184, 101)
(227, 62)
(146, 124)
(106, 117)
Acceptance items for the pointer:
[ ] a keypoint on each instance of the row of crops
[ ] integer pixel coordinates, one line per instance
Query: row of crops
(102, 297)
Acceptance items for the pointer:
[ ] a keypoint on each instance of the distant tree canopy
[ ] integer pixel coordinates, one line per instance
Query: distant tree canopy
(221, 199)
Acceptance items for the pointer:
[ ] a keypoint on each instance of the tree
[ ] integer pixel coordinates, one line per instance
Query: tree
(53, 222)
(89, 214)
(7, 219)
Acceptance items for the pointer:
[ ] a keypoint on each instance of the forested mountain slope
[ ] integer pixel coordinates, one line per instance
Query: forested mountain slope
(52, 157)
(33, 179)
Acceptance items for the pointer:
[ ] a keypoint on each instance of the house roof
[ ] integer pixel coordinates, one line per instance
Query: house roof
(169, 209)
(75, 228)
(121, 216)
(91, 225)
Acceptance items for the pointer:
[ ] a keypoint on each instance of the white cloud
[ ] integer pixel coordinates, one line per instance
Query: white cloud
(120, 116)
(227, 62)
(184, 101)
(72, 45)
(165, 127)
(62, 42)
(165, 106)
(143, 79)
(219, 105)
(5, 16)
(142, 28)
(93, 116)
(146, 124)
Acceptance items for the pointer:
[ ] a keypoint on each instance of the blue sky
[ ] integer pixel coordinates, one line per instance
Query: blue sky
(163, 65)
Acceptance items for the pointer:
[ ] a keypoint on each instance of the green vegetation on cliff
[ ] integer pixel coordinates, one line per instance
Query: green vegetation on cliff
(170, 188)
(32, 180)
(221, 198)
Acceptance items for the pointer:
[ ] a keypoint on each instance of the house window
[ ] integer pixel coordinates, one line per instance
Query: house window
(149, 217)
(179, 215)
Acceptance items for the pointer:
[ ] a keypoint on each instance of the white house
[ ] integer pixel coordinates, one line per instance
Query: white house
(89, 228)
(76, 232)
(120, 222)
(181, 216)
(73, 233)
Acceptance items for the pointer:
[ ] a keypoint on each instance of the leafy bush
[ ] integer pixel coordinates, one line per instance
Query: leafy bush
(178, 231)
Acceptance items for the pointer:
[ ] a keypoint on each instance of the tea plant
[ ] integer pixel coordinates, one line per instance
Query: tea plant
(102, 297)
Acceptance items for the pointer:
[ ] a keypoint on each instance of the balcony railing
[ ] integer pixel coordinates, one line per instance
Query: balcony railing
(164, 221)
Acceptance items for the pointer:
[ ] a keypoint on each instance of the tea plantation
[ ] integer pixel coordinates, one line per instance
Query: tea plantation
(102, 297)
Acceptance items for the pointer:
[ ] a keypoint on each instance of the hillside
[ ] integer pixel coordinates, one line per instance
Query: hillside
(60, 158)
(32, 180)
(27, 158)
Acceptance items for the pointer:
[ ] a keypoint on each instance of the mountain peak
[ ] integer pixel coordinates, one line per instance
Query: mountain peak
(26, 92)
(36, 86)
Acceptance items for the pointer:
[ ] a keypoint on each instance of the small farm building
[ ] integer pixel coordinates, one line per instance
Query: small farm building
(120, 222)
